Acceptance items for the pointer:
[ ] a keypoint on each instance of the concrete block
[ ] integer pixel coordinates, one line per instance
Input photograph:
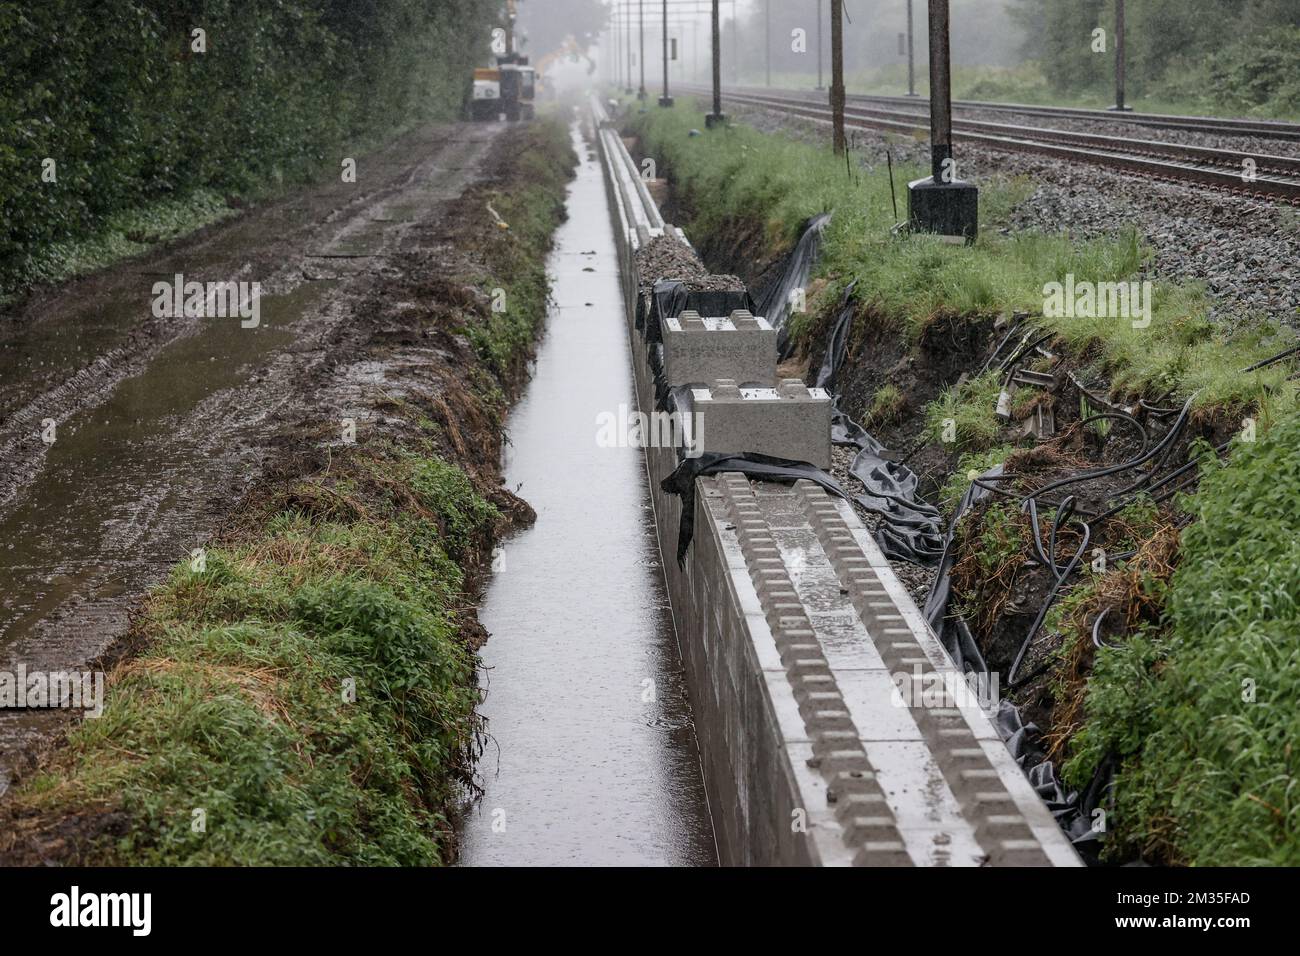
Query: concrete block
(789, 421)
(700, 351)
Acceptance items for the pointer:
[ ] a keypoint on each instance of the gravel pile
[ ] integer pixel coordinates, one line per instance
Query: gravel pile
(1247, 252)
(667, 257)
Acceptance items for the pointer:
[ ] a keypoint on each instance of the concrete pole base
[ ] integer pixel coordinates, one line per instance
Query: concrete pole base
(1120, 109)
(946, 209)
(715, 119)
(640, 94)
(665, 101)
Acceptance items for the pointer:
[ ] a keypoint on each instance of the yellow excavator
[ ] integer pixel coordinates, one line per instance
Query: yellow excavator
(570, 50)
(506, 91)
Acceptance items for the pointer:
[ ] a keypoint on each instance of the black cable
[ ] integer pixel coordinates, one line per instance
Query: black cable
(1062, 515)
(1273, 360)
(1125, 466)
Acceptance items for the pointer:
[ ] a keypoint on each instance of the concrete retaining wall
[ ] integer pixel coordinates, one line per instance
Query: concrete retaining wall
(794, 632)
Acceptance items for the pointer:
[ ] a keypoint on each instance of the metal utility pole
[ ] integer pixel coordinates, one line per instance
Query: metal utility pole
(911, 60)
(640, 94)
(735, 44)
(837, 74)
(942, 204)
(627, 29)
(695, 52)
(820, 84)
(767, 5)
(618, 49)
(716, 118)
(665, 100)
(940, 89)
(1120, 65)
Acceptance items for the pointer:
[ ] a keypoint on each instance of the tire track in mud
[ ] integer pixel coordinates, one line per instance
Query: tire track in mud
(161, 424)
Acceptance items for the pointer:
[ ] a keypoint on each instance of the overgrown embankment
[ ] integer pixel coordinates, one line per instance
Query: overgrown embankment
(939, 334)
(304, 691)
(122, 126)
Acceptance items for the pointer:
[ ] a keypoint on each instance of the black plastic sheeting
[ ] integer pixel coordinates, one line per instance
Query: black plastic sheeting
(1073, 810)
(910, 529)
(775, 303)
(671, 297)
(682, 482)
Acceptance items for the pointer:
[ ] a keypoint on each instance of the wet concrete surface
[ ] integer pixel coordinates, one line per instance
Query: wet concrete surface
(160, 424)
(593, 759)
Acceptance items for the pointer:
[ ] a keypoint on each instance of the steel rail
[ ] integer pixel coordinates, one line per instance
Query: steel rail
(1213, 168)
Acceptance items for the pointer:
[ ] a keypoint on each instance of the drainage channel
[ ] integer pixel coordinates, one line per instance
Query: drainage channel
(593, 758)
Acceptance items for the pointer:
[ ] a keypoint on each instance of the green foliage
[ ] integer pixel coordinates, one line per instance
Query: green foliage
(517, 255)
(237, 706)
(1204, 714)
(971, 409)
(132, 114)
(887, 406)
(1226, 56)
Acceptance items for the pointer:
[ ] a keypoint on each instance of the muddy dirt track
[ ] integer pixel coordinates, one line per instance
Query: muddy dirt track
(160, 424)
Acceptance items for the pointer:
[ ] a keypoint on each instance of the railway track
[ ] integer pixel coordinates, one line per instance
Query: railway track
(1241, 172)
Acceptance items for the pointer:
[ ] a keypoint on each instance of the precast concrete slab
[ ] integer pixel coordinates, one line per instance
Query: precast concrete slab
(701, 350)
(790, 421)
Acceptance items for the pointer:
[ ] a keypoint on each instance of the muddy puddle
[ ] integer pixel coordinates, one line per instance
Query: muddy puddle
(87, 530)
(593, 757)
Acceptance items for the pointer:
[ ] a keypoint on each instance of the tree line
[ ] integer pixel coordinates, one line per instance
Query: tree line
(1230, 55)
(106, 105)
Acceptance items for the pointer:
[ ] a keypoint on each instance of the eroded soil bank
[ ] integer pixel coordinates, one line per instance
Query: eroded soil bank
(302, 687)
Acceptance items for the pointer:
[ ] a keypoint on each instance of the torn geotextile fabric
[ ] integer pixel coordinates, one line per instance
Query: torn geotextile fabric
(682, 482)
(910, 529)
(775, 304)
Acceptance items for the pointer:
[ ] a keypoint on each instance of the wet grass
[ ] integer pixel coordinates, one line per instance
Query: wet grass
(964, 415)
(304, 696)
(516, 253)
